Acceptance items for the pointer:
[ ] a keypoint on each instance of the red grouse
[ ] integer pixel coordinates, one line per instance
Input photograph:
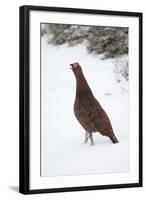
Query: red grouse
(88, 111)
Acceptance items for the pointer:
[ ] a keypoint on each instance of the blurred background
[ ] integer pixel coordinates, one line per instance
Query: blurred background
(109, 42)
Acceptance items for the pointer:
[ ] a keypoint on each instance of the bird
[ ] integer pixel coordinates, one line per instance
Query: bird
(88, 110)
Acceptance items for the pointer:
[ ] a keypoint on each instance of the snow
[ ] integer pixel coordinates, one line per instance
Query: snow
(63, 151)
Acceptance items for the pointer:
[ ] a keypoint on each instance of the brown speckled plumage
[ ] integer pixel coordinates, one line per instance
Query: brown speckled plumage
(87, 109)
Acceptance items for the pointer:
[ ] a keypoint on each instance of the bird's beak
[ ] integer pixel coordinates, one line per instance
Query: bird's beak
(71, 67)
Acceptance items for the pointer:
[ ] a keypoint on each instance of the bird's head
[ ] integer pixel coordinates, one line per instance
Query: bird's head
(76, 68)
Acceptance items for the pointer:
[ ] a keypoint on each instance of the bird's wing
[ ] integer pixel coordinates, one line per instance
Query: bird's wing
(95, 118)
(90, 116)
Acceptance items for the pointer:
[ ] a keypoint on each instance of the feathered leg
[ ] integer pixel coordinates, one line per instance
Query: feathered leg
(86, 137)
(91, 138)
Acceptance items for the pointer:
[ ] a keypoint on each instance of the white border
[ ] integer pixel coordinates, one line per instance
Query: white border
(36, 17)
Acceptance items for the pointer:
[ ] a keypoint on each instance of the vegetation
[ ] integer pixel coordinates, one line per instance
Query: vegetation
(110, 41)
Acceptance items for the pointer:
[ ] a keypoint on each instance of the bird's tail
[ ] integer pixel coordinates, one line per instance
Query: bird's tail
(113, 139)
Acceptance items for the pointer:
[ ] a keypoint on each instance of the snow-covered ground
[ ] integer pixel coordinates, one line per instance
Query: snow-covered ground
(62, 137)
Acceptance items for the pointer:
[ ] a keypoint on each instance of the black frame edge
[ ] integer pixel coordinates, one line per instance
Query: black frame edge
(83, 188)
(23, 100)
(141, 99)
(82, 10)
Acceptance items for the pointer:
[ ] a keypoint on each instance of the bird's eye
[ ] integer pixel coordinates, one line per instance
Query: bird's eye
(75, 65)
